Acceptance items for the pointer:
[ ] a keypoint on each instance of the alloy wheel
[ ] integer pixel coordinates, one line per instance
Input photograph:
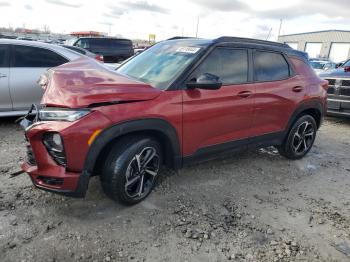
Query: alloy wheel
(303, 138)
(141, 173)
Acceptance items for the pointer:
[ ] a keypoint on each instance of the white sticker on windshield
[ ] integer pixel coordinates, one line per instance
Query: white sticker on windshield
(188, 49)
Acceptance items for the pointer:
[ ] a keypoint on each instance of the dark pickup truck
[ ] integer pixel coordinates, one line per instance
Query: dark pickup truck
(339, 90)
(113, 50)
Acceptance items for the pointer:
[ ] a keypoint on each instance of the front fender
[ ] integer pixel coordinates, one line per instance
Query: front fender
(110, 134)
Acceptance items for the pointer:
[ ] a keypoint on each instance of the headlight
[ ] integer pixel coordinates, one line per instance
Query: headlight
(62, 114)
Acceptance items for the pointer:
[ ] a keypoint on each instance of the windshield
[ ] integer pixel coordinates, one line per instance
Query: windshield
(347, 63)
(317, 65)
(160, 65)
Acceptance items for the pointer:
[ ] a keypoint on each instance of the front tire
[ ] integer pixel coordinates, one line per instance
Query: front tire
(131, 169)
(300, 138)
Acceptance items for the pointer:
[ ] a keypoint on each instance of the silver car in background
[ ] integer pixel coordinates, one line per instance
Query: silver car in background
(21, 64)
(320, 66)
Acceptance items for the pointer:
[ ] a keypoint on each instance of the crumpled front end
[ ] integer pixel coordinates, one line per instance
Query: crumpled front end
(53, 163)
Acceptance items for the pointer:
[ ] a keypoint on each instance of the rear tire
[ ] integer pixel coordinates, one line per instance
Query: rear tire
(300, 139)
(131, 169)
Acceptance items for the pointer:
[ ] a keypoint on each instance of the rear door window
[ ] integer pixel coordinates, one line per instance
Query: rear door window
(270, 66)
(4, 56)
(230, 65)
(29, 56)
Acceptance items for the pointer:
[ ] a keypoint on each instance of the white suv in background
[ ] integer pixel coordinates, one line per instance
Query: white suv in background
(21, 64)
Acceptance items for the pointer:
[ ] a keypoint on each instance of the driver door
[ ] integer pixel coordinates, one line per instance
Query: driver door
(216, 117)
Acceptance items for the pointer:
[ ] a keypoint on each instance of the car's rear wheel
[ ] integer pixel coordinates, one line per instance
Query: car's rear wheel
(300, 138)
(131, 169)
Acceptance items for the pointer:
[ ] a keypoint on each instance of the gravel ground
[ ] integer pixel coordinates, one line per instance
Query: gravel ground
(251, 206)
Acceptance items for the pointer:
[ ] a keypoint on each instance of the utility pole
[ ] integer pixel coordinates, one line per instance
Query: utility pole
(279, 30)
(197, 26)
(268, 36)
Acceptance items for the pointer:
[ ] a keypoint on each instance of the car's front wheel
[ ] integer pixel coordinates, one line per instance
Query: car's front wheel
(300, 138)
(131, 169)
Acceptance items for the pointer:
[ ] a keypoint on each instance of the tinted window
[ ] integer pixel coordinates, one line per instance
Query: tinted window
(4, 55)
(110, 43)
(270, 66)
(28, 56)
(230, 65)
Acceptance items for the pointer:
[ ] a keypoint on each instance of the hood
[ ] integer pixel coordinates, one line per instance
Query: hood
(336, 73)
(85, 82)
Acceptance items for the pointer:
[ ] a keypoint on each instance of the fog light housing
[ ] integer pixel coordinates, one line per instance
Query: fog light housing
(54, 145)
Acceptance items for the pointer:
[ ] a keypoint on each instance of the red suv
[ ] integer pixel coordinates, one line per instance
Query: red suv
(179, 101)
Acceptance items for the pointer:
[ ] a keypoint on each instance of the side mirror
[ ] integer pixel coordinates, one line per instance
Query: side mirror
(205, 81)
(347, 69)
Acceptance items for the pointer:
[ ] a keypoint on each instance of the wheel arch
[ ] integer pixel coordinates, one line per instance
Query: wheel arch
(313, 107)
(160, 129)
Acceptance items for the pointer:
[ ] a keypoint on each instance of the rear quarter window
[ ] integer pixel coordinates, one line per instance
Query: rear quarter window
(270, 66)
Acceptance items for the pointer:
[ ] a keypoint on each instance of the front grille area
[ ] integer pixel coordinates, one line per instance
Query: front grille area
(346, 83)
(340, 87)
(51, 180)
(331, 82)
(30, 154)
(344, 92)
(331, 90)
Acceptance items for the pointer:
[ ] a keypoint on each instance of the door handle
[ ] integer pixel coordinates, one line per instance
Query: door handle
(297, 89)
(2, 75)
(245, 94)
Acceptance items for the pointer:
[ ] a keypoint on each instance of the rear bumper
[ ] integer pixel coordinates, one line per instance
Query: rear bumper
(57, 180)
(338, 113)
(338, 106)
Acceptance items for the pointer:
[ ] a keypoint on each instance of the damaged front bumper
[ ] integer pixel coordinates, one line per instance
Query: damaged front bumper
(44, 172)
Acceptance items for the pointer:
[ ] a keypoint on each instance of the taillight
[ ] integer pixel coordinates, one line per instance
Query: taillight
(99, 58)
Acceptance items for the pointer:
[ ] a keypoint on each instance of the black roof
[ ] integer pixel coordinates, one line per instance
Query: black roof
(246, 42)
(181, 37)
(104, 38)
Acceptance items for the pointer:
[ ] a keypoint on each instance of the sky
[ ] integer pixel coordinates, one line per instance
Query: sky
(138, 18)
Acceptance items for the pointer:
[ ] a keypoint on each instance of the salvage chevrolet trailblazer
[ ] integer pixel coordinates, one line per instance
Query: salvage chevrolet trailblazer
(179, 101)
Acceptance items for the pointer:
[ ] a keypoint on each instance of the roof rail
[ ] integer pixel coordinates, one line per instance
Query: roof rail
(249, 40)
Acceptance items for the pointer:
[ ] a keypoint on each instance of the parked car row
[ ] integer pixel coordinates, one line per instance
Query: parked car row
(21, 64)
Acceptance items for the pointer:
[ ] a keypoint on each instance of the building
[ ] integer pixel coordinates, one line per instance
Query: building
(330, 44)
(88, 34)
